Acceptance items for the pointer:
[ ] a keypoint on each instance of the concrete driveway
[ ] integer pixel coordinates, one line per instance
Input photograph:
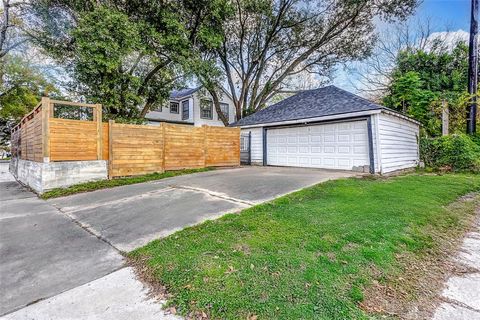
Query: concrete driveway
(130, 216)
(63, 258)
(42, 251)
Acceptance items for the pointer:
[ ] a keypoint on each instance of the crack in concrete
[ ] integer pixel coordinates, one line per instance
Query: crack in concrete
(88, 228)
(113, 202)
(215, 194)
(459, 304)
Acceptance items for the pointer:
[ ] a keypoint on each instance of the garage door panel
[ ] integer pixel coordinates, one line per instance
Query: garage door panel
(303, 149)
(329, 138)
(360, 150)
(359, 125)
(316, 138)
(329, 149)
(303, 139)
(344, 149)
(333, 146)
(359, 137)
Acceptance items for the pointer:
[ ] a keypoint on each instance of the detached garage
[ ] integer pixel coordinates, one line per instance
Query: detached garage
(332, 128)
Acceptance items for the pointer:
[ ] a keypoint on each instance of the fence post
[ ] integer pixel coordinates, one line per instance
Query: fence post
(162, 124)
(98, 116)
(205, 145)
(46, 114)
(110, 148)
(249, 147)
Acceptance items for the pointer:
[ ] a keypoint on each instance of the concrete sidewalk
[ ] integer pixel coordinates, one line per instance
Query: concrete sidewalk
(461, 297)
(51, 268)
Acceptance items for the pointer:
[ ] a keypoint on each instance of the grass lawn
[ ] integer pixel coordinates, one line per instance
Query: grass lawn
(103, 184)
(308, 255)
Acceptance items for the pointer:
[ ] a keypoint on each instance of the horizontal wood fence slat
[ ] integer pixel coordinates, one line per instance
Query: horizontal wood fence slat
(72, 140)
(132, 143)
(130, 149)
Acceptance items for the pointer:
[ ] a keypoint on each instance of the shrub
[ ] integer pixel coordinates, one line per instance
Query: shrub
(457, 152)
(476, 138)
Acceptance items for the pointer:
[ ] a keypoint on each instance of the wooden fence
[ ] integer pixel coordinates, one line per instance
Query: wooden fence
(138, 149)
(130, 149)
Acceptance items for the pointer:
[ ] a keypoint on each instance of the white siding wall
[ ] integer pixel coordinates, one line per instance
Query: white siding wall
(194, 111)
(168, 116)
(398, 143)
(257, 144)
(198, 121)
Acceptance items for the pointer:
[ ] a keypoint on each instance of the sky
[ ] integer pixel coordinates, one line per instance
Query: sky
(445, 15)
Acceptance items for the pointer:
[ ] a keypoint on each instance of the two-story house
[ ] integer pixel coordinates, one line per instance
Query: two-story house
(193, 106)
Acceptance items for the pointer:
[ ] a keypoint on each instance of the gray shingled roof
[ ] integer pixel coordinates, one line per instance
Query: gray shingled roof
(320, 102)
(178, 94)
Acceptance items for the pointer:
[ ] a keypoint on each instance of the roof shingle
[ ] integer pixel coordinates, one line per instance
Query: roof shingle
(320, 102)
(178, 94)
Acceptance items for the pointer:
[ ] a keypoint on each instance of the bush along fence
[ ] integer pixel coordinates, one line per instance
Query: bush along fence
(62, 143)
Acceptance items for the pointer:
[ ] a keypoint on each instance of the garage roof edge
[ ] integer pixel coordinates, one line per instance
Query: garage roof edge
(314, 119)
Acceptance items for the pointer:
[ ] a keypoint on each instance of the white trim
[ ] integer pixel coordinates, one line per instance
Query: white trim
(332, 117)
(378, 151)
(316, 119)
(396, 114)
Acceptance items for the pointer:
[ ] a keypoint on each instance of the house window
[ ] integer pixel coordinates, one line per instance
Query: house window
(206, 107)
(185, 110)
(224, 108)
(173, 107)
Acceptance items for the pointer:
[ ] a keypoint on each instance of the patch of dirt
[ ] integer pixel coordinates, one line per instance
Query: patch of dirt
(414, 293)
(157, 291)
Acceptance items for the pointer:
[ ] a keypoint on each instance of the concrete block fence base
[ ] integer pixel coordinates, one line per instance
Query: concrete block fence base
(42, 176)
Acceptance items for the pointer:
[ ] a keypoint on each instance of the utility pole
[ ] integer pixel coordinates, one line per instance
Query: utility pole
(473, 70)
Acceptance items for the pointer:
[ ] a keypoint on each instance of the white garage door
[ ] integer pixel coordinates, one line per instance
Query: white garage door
(332, 146)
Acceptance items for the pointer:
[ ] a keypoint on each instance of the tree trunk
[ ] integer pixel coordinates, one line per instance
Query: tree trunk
(146, 108)
(216, 103)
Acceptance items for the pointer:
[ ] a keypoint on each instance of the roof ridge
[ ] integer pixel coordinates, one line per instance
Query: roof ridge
(357, 96)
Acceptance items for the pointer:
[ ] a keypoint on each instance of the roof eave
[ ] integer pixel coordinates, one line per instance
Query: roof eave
(400, 115)
(314, 119)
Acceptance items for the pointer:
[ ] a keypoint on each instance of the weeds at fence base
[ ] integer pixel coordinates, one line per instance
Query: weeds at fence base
(104, 184)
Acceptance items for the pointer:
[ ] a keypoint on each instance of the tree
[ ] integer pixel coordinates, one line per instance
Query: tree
(127, 55)
(406, 91)
(422, 80)
(372, 76)
(11, 36)
(21, 87)
(269, 42)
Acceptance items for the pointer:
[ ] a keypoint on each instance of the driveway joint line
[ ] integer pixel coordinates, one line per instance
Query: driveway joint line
(214, 194)
(18, 199)
(24, 215)
(112, 202)
(90, 230)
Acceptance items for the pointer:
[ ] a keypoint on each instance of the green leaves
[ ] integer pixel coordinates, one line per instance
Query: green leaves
(424, 79)
(456, 152)
(129, 55)
(21, 86)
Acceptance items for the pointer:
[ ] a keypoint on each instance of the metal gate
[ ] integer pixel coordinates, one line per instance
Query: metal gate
(245, 150)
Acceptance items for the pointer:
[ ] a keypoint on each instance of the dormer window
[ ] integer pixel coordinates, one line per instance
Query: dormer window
(206, 109)
(174, 107)
(224, 108)
(185, 110)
